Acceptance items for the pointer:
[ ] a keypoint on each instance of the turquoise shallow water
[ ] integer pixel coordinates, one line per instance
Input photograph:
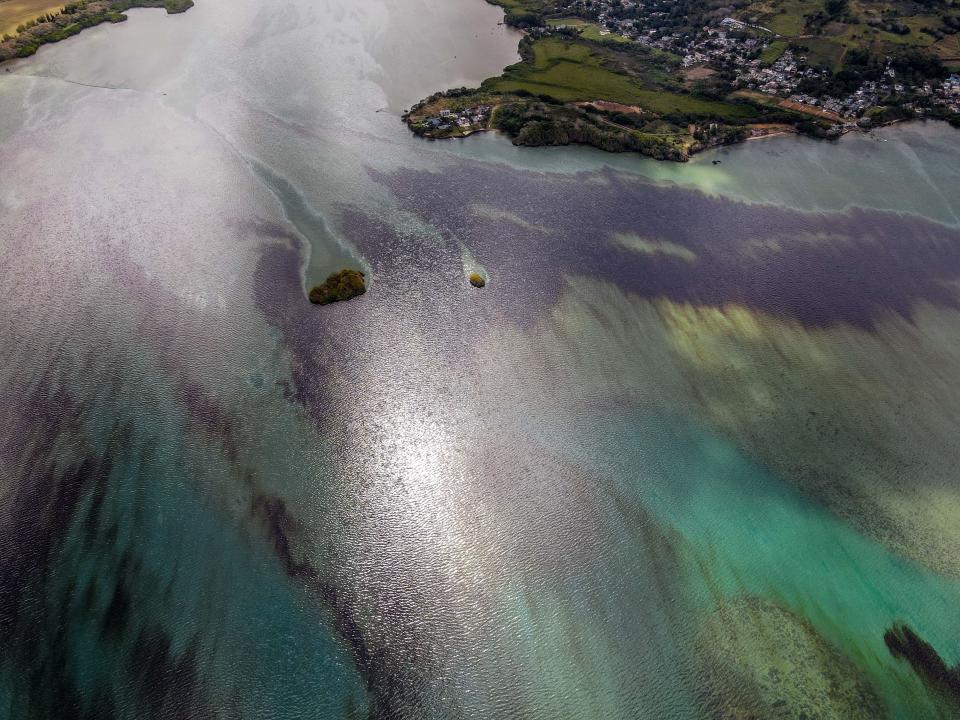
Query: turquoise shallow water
(745, 532)
(695, 473)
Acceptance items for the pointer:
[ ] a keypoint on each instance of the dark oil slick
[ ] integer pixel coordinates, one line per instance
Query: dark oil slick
(853, 268)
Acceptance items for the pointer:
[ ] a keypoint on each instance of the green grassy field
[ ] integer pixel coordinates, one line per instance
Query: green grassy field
(756, 97)
(823, 51)
(851, 29)
(588, 30)
(569, 21)
(773, 51)
(785, 17)
(520, 5)
(570, 71)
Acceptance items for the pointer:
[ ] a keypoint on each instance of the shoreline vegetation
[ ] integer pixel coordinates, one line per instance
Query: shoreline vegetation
(73, 18)
(578, 84)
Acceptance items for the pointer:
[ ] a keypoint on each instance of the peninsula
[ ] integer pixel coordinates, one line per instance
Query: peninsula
(72, 18)
(669, 78)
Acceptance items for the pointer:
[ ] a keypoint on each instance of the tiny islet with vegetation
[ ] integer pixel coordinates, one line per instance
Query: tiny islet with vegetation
(343, 285)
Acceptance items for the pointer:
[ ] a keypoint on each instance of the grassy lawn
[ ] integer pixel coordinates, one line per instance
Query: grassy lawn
(663, 102)
(520, 5)
(588, 30)
(570, 71)
(568, 21)
(822, 51)
(592, 32)
(772, 52)
(784, 17)
(917, 24)
(757, 97)
(566, 71)
(787, 18)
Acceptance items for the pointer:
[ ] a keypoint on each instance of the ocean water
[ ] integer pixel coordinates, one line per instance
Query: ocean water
(689, 454)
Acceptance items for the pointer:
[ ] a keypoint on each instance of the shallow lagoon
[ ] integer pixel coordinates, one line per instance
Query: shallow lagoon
(550, 498)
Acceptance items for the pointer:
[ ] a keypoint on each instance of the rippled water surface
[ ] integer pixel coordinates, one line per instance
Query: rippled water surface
(691, 453)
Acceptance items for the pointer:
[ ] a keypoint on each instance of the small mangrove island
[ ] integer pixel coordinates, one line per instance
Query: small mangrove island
(73, 18)
(476, 279)
(343, 285)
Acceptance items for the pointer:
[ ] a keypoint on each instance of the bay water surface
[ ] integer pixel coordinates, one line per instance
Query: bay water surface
(691, 453)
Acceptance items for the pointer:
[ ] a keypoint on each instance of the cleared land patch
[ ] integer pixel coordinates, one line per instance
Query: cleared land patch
(17, 12)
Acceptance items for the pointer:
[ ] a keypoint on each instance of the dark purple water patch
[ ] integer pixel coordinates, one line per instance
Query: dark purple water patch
(205, 410)
(40, 614)
(169, 682)
(41, 504)
(278, 523)
(389, 677)
(280, 296)
(854, 267)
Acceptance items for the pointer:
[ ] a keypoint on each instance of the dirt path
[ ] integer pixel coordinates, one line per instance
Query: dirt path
(810, 110)
(612, 106)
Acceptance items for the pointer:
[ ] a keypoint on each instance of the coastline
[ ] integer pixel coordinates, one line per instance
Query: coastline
(598, 122)
(691, 150)
(464, 135)
(665, 147)
(73, 18)
(550, 119)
